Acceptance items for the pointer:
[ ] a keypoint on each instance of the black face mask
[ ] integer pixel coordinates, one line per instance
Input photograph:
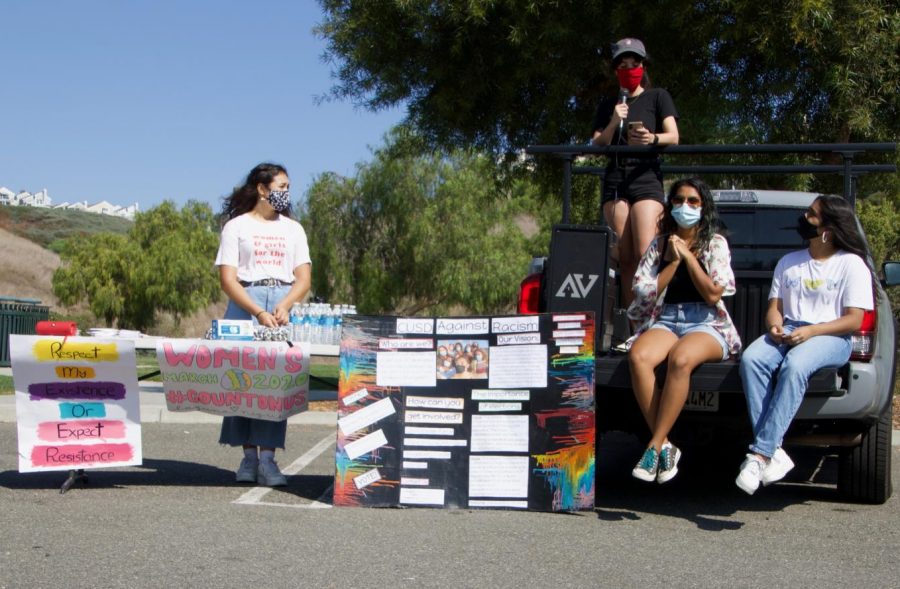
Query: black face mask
(806, 229)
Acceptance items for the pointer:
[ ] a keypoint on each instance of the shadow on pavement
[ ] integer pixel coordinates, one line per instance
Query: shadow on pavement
(704, 491)
(166, 473)
(314, 487)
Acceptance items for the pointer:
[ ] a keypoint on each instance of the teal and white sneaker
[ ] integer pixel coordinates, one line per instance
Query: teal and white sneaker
(668, 463)
(647, 465)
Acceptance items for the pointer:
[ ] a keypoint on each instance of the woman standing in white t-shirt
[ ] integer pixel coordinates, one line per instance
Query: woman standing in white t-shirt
(818, 298)
(264, 268)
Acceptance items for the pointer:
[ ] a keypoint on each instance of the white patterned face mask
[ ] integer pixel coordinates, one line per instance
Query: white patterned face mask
(280, 200)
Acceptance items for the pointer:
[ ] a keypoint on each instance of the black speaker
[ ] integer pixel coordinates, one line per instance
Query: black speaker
(579, 278)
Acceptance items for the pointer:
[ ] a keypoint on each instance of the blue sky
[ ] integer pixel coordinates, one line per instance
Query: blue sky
(141, 101)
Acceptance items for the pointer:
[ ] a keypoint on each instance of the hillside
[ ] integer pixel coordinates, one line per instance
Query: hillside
(26, 268)
(47, 227)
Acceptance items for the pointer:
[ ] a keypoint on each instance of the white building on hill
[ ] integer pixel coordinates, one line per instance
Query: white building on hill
(43, 200)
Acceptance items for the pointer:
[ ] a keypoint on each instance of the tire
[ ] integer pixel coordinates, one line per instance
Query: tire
(864, 472)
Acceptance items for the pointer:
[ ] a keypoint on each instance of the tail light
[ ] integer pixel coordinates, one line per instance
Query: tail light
(864, 340)
(530, 294)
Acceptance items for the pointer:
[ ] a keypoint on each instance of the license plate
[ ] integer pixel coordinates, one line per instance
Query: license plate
(707, 401)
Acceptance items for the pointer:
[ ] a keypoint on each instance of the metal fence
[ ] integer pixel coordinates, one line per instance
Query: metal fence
(18, 316)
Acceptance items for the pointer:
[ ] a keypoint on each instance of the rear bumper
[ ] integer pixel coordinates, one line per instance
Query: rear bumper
(852, 393)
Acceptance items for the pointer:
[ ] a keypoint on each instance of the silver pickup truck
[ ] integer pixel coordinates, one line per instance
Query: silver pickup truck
(845, 411)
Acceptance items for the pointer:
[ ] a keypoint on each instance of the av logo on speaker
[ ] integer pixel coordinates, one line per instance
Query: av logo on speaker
(574, 284)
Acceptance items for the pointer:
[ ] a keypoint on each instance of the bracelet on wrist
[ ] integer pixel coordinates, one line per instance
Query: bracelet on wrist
(260, 313)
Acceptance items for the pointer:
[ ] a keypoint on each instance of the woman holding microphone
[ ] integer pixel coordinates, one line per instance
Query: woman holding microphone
(632, 198)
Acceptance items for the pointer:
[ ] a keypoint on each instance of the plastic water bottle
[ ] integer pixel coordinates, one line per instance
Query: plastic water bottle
(305, 323)
(296, 320)
(318, 324)
(338, 324)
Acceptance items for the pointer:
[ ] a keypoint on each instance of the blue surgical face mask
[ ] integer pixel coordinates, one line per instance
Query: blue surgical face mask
(686, 216)
(280, 200)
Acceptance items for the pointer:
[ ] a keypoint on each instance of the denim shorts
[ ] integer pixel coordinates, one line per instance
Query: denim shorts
(684, 318)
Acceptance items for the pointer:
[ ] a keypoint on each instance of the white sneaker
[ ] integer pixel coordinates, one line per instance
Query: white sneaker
(778, 466)
(268, 474)
(750, 475)
(246, 472)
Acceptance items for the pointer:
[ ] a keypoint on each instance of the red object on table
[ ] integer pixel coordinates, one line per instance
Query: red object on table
(56, 328)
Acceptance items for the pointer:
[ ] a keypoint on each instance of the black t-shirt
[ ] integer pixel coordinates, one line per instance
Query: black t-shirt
(681, 288)
(650, 107)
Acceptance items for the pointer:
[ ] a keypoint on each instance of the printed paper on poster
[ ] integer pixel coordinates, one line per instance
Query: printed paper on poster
(518, 367)
(498, 476)
(499, 433)
(518, 339)
(421, 496)
(367, 478)
(498, 407)
(456, 403)
(366, 416)
(437, 417)
(515, 324)
(364, 445)
(500, 395)
(405, 369)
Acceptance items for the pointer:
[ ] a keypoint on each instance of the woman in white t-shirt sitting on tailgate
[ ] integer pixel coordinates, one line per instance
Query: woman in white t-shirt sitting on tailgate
(264, 268)
(817, 300)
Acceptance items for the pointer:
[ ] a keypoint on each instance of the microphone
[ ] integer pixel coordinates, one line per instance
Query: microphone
(623, 98)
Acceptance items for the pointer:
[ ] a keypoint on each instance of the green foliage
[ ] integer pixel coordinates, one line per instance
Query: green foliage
(502, 74)
(880, 218)
(48, 227)
(164, 263)
(417, 231)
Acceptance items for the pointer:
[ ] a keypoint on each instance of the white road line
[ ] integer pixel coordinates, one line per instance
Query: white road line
(254, 495)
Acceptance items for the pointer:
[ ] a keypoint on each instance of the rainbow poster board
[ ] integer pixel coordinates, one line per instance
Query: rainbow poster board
(263, 380)
(77, 402)
(467, 412)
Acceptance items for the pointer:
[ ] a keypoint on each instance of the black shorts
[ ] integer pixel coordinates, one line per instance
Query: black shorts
(633, 181)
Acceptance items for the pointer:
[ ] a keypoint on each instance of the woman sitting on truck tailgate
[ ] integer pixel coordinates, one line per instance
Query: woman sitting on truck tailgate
(678, 288)
(816, 301)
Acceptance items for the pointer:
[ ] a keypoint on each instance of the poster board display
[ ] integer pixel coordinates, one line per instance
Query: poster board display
(77, 402)
(467, 412)
(263, 380)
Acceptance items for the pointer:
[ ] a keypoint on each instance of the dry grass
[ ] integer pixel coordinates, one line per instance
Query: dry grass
(26, 269)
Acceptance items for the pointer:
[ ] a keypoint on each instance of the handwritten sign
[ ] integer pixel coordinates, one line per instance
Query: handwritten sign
(263, 380)
(77, 402)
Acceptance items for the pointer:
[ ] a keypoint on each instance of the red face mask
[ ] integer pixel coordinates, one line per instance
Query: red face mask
(630, 78)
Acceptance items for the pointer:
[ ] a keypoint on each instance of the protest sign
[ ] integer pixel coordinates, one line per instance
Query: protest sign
(77, 402)
(469, 412)
(263, 380)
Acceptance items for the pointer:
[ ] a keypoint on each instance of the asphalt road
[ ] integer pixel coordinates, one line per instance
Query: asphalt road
(179, 521)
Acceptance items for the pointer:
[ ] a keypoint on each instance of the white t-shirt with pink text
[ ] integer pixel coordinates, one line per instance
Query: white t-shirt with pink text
(263, 249)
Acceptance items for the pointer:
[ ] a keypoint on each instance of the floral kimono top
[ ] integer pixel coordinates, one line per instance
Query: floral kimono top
(648, 302)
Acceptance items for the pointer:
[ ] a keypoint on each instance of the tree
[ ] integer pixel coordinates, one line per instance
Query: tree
(419, 231)
(502, 74)
(164, 264)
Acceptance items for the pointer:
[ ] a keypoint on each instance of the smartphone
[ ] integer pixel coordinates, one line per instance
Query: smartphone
(635, 125)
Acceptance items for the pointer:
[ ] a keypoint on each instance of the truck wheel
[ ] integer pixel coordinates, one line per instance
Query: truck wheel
(864, 472)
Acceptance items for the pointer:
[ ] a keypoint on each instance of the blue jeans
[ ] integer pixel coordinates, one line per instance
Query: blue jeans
(240, 431)
(775, 378)
(684, 318)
